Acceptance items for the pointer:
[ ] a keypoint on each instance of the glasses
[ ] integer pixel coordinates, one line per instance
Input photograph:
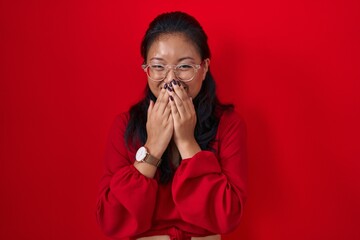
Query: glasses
(183, 72)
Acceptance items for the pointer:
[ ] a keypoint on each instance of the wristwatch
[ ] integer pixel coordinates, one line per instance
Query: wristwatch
(143, 155)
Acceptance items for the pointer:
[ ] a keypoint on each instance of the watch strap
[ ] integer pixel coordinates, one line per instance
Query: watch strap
(152, 160)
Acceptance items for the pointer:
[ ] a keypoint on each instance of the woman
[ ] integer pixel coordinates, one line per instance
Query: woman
(175, 165)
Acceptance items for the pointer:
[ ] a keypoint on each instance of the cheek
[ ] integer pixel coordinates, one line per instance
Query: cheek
(193, 88)
(154, 87)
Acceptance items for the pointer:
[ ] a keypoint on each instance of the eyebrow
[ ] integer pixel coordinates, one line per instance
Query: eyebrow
(179, 60)
(185, 58)
(156, 58)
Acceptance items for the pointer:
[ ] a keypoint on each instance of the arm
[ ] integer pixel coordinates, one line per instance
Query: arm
(159, 128)
(121, 211)
(210, 190)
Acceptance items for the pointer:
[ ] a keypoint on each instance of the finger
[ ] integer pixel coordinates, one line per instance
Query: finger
(151, 106)
(179, 90)
(167, 110)
(183, 95)
(174, 110)
(169, 107)
(191, 104)
(170, 119)
(179, 105)
(163, 102)
(159, 98)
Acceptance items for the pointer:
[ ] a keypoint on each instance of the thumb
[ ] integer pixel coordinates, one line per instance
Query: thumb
(151, 106)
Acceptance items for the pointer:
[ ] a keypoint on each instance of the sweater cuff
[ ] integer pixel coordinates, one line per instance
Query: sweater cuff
(129, 179)
(202, 163)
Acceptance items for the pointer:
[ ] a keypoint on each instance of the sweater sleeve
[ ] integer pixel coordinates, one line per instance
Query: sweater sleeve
(121, 211)
(210, 189)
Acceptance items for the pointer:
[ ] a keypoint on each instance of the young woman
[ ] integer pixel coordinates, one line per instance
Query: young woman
(175, 165)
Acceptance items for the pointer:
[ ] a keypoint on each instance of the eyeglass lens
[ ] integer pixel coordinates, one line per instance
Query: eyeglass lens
(159, 73)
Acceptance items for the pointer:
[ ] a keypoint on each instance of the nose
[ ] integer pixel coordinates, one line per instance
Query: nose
(170, 75)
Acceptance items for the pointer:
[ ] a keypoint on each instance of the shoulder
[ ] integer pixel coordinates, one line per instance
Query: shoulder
(122, 117)
(231, 116)
(120, 122)
(231, 120)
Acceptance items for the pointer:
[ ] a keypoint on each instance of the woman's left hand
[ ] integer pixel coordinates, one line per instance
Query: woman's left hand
(184, 116)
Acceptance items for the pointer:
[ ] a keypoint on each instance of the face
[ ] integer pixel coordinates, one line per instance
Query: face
(175, 49)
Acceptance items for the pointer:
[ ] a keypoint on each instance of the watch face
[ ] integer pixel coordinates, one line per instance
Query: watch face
(141, 154)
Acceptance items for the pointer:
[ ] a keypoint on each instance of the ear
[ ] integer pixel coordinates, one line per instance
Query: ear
(205, 66)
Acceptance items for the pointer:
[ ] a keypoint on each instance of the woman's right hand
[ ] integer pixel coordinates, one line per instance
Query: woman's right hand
(159, 125)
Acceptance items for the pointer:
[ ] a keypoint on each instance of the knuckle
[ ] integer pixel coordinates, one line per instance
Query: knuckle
(163, 100)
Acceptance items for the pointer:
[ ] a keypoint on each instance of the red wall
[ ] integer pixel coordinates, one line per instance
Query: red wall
(291, 68)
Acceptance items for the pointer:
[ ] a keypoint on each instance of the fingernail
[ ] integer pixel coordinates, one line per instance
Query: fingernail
(171, 98)
(179, 83)
(165, 86)
(174, 82)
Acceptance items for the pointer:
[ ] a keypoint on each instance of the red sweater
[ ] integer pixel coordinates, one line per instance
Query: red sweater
(205, 197)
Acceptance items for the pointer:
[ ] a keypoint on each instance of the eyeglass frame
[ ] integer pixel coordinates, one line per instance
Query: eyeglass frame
(173, 67)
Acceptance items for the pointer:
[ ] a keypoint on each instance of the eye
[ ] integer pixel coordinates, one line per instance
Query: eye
(184, 67)
(157, 67)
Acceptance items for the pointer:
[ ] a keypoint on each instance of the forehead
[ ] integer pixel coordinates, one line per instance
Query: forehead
(171, 47)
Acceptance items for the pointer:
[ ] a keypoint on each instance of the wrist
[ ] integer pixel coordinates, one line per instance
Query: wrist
(154, 150)
(147, 170)
(188, 149)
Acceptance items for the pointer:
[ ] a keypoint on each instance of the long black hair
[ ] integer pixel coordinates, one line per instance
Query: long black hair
(207, 106)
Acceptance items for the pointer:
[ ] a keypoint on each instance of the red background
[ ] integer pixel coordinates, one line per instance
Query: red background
(290, 67)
